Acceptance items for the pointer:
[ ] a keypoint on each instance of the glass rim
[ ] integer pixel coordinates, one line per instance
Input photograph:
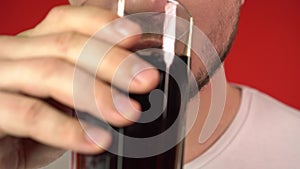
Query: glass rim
(178, 3)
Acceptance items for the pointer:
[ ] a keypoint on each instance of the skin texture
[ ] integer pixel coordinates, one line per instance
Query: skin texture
(39, 64)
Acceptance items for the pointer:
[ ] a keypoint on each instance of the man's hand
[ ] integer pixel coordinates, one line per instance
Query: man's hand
(39, 64)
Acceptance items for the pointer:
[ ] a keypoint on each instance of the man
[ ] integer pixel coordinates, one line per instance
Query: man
(255, 131)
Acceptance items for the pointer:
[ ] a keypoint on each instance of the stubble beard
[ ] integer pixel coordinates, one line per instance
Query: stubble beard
(203, 76)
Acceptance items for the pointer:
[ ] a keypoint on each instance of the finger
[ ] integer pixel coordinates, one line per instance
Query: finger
(25, 33)
(135, 74)
(2, 134)
(132, 6)
(54, 78)
(26, 117)
(38, 154)
(88, 20)
(10, 154)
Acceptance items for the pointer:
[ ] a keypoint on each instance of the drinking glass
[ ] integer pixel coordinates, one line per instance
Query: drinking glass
(156, 139)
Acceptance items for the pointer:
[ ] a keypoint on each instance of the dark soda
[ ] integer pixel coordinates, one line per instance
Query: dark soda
(171, 115)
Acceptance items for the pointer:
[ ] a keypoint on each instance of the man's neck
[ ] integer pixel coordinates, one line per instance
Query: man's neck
(193, 148)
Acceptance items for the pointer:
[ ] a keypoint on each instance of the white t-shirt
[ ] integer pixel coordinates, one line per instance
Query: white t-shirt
(265, 134)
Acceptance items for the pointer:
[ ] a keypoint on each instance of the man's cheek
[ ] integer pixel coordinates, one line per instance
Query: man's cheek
(134, 6)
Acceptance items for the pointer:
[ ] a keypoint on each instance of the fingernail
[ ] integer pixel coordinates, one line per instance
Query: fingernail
(144, 72)
(128, 108)
(98, 136)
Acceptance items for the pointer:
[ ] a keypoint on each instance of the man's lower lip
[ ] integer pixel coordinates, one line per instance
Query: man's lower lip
(147, 43)
(134, 6)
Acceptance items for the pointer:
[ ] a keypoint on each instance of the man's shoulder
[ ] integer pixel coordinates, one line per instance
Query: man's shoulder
(263, 103)
(264, 134)
(268, 136)
(270, 118)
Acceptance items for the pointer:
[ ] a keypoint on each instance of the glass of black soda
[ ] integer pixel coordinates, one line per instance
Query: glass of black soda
(156, 139)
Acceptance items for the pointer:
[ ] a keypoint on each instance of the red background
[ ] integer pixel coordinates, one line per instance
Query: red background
(265, 54)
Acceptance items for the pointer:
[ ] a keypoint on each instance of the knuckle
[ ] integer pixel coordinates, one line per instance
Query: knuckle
(57, 12)
(31, 113)
(65, 42)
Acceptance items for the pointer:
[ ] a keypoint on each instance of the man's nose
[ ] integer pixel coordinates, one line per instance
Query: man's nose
(131, 6)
